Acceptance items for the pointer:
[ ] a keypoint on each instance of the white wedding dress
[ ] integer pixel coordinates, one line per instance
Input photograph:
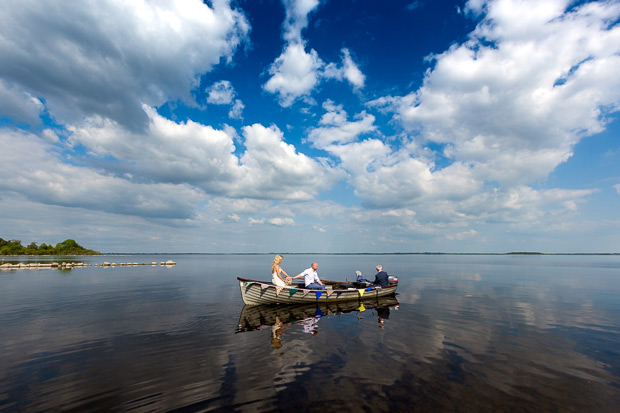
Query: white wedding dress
(275, 280)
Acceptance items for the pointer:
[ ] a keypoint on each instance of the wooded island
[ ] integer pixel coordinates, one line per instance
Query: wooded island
(67, 247)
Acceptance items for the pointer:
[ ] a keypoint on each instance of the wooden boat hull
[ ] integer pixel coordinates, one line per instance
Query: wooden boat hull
(255, 292)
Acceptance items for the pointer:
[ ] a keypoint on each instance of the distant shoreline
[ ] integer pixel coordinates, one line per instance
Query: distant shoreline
(363, 253)
(324, 253)
(57, 255)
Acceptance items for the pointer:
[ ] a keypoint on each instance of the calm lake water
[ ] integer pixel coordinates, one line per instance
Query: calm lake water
(466, 333)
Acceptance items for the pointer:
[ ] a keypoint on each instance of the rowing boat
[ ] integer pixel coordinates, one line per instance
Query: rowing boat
(255, 292)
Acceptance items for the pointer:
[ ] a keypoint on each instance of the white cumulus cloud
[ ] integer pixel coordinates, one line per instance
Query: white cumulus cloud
(296, 72)
(503, 110)
(297, 12)
(349, 71)
(91, 58)
(516, 108)
(336, 129)
(167, 151)
(199, 155)
(223, 93)
(274, 169)
(45, 178)
(236, 110)
(220, 93)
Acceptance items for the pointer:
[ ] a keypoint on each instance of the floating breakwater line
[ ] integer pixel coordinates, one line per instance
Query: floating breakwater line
(70, 265)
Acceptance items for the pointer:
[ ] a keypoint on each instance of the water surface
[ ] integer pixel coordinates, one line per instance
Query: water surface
(524, 333)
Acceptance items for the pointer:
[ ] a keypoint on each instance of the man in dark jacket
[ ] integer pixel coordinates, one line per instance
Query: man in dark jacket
(381, 278)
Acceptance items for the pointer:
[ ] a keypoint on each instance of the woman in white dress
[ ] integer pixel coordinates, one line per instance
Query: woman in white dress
(277, 271)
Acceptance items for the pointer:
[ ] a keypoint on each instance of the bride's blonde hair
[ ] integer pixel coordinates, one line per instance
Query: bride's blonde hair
(277, 260)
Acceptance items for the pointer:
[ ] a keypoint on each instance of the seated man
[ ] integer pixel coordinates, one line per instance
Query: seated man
(381, 278)
(311, 278)
(360, 278)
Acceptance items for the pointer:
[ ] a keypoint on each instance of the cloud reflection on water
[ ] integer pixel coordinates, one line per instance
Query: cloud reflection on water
(505, 337)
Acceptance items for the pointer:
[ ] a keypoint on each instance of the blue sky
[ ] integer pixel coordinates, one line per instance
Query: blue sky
(311, 126)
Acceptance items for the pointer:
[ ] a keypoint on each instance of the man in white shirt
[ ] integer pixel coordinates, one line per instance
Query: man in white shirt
(311, 278)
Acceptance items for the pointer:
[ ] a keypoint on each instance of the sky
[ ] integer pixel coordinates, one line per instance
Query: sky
(335, 126)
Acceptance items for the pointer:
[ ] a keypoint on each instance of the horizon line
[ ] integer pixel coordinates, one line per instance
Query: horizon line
(365, 253)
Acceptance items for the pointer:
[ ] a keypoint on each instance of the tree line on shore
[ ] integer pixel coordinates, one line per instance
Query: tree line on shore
(67, 247)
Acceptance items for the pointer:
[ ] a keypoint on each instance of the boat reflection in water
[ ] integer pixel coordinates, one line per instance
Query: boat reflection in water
(280, 317)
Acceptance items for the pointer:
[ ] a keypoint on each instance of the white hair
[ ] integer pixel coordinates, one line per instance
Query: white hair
(379, 267)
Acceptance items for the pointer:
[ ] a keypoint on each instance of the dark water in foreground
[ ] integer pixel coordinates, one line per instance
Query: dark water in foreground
(469, 333)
